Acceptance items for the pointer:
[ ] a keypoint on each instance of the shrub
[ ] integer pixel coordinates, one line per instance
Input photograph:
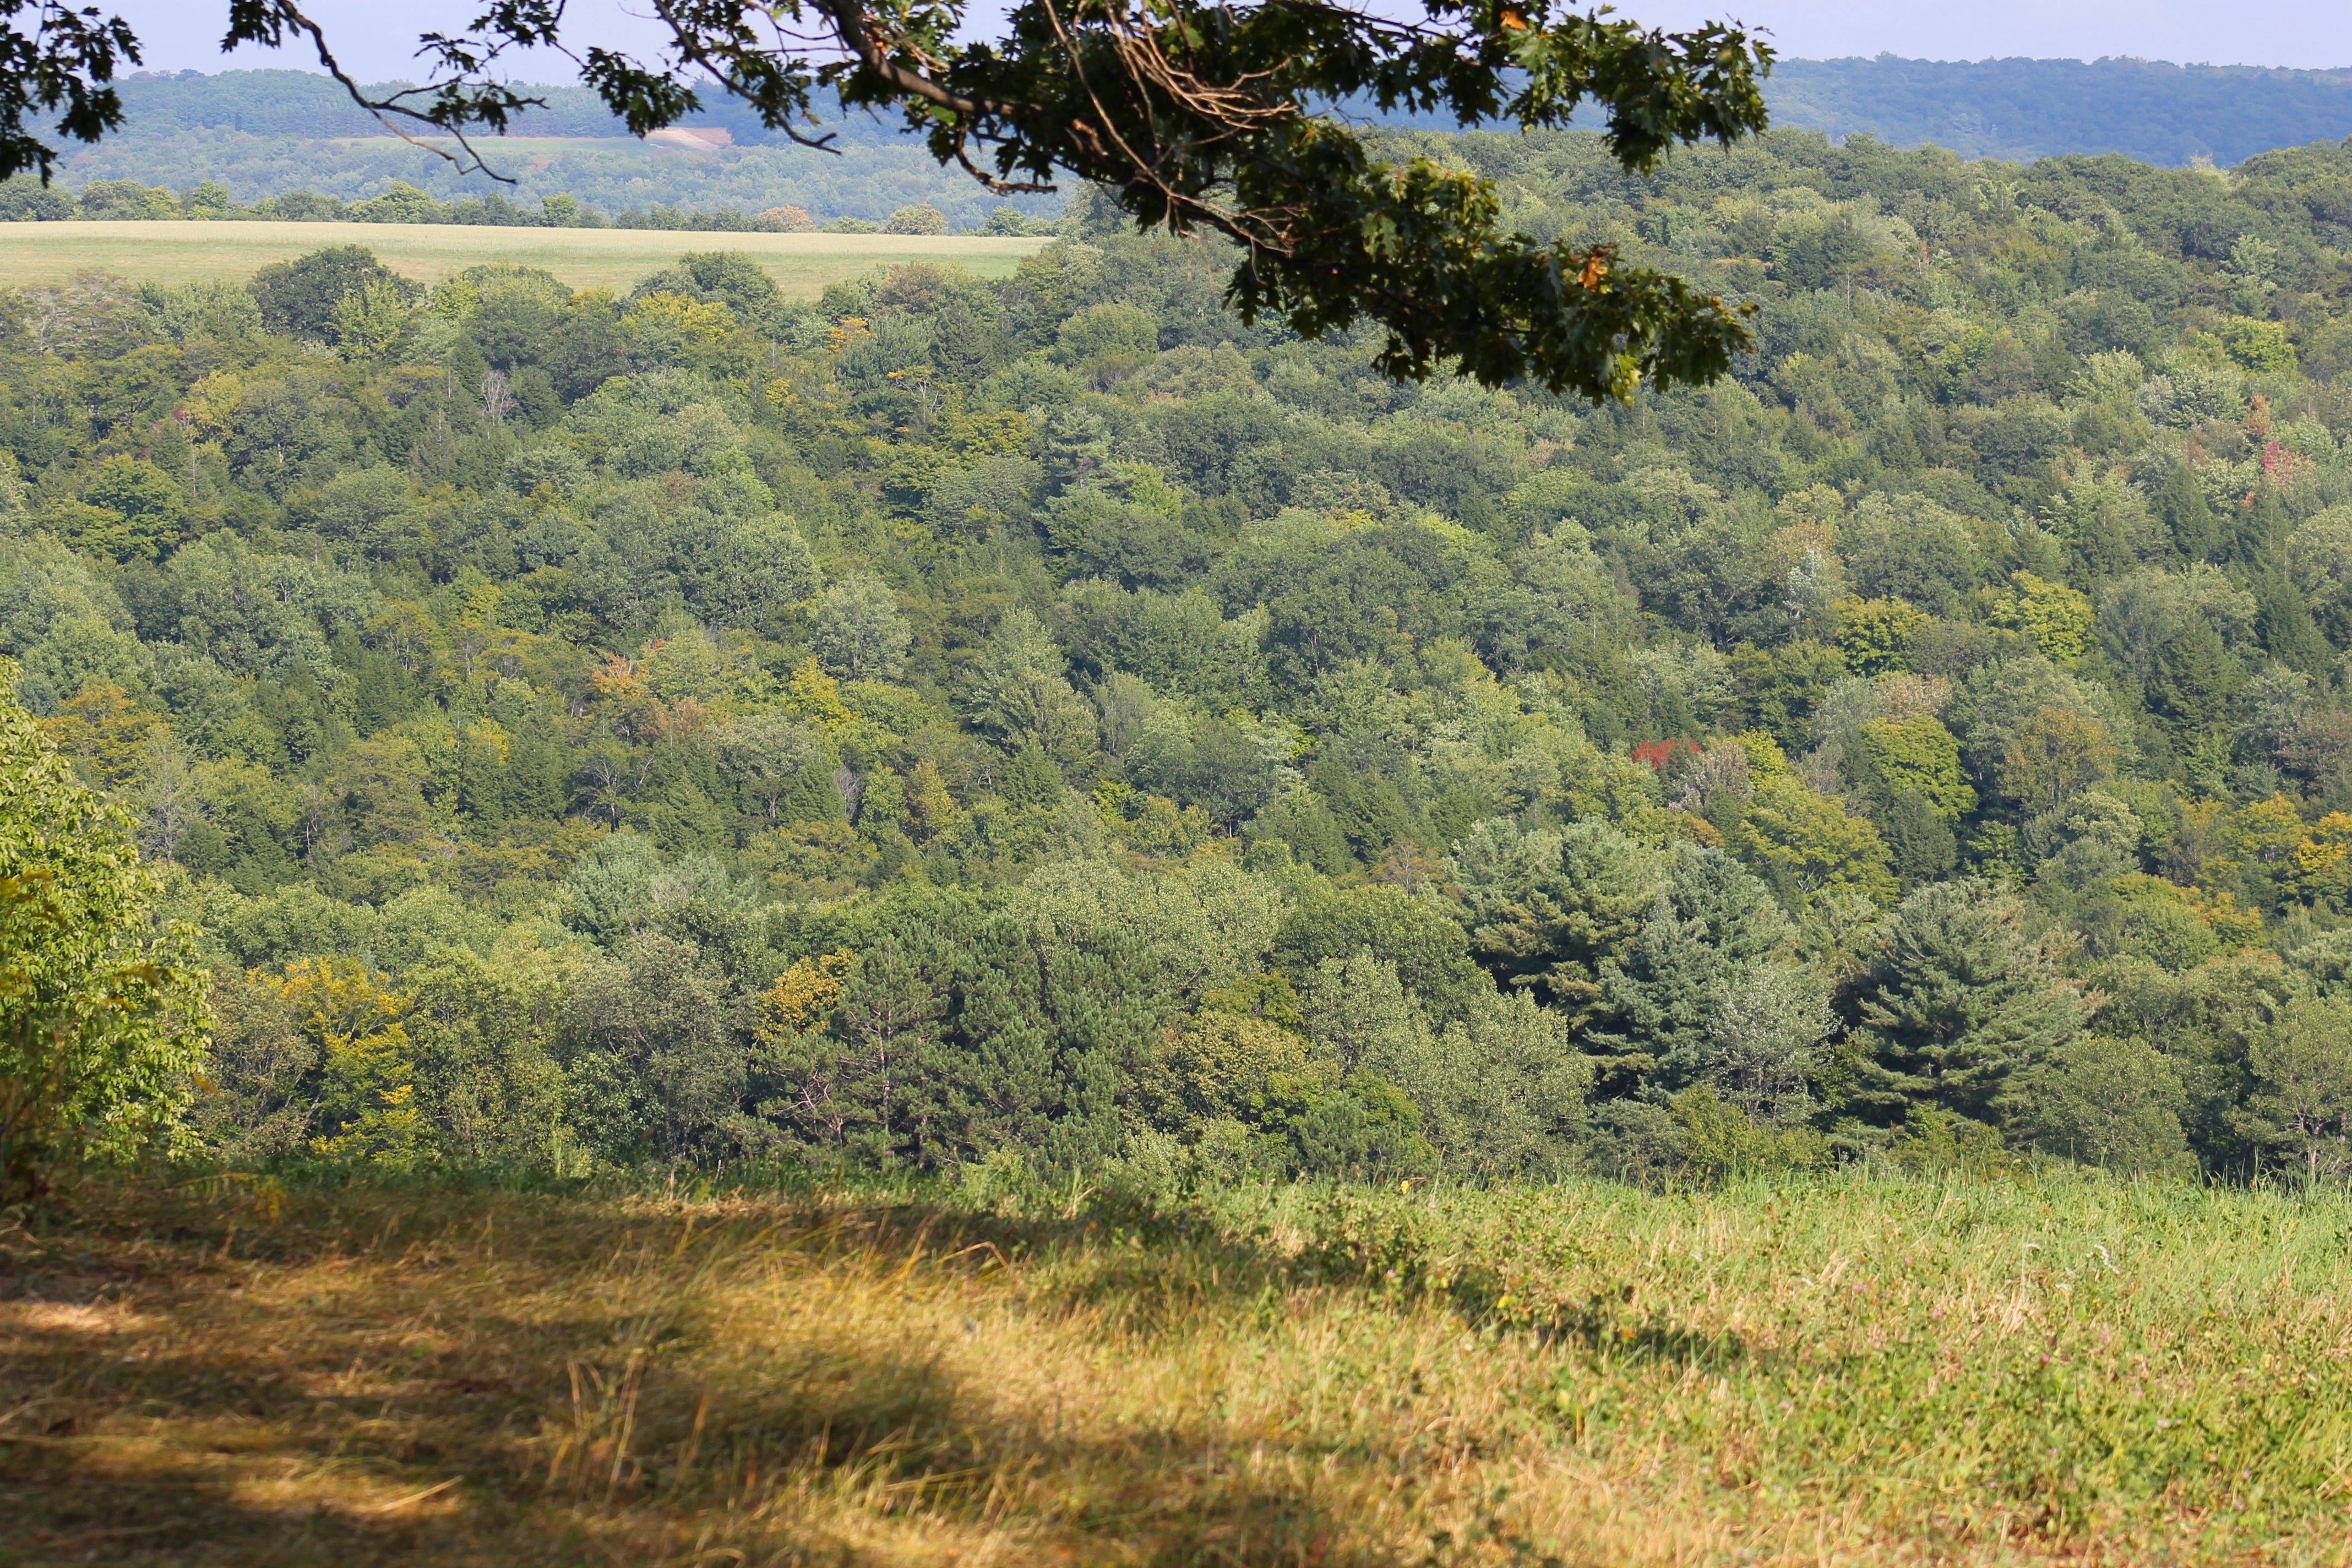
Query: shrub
(100, 1033)
(923, 218)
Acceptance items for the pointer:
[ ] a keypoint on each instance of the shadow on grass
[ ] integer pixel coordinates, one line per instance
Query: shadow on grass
(165, 1406)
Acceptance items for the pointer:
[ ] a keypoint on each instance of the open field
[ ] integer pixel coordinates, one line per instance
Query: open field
(802, 264)
(1865, 1371)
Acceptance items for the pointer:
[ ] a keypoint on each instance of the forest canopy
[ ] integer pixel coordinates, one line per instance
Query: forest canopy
(1052, 720)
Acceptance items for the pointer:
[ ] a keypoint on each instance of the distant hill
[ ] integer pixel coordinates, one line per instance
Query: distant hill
(2023, 109)
(265, 133)
(301, 104)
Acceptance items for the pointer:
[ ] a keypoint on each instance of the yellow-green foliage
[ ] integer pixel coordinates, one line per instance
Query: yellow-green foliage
(2058, 618)
(99, 1034)
(368, 1063)
(1875, 635)
(1814, 842)
(1920, 755)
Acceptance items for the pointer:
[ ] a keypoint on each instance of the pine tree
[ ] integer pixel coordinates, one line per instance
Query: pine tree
(1956, 998)
(2195, 678)
(2262, 530)
(1714, 921)
(2187, 516)
(2283, 620)
(814, 796)
(1031, 779)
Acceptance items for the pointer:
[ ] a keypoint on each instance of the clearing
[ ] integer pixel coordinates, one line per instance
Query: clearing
(802, 264)
(1865, 1370)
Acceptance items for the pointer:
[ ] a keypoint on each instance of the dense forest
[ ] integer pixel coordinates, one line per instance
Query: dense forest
(1050, 722)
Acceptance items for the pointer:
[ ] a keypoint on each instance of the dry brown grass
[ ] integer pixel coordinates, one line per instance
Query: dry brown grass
(194, 1377)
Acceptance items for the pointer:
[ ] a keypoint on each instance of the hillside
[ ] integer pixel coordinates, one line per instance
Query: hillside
(263, 133)
(1042, 722)
(267, 132)
(2025, 108)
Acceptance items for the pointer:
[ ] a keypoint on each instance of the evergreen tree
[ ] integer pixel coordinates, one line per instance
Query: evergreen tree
(814, 795)
(1956, 998)
(1550, 910)
(2189, 517)
(1031, 779)
(1918, 836)
(1713, 922)
(2196, 677)
(2283, 621)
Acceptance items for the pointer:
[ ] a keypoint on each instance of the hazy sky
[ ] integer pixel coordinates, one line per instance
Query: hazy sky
(377, 40)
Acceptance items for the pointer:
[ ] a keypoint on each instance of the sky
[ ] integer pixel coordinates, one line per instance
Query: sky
(377, 41)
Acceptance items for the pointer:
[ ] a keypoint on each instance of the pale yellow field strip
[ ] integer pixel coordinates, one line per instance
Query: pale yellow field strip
(802, 264)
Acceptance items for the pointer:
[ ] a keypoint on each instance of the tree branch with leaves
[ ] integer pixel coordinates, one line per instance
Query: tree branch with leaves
(1234, 120)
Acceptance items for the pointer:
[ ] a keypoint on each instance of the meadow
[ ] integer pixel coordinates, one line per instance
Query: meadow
(1868, 1369)
(173, 252)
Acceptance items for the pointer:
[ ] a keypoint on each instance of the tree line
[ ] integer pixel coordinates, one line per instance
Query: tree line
(25, 200)
(1050, 720)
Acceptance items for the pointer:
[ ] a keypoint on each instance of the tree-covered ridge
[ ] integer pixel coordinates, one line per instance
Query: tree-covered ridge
(306, 105)
(1049, 720)
(2026, 109)
(2015, 109)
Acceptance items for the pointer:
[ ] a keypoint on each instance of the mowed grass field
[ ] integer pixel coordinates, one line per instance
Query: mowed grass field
(802, 264)
(1864, 1371)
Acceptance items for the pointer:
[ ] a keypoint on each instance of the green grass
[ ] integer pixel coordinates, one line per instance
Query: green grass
(802, 264)
(1865, 1370)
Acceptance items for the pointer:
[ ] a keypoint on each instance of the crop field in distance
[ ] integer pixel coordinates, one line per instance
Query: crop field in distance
(32, 254)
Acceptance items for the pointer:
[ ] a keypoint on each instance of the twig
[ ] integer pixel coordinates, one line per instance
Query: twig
(413, 1497)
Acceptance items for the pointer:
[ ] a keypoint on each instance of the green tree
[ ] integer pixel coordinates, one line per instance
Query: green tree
(101, 1004)
(301, 298)
(1712, 923)
(1957, 997)
(2301, 1107)
(486, 1032)
(1551, 909)
(857, 632)
(1503, 1092)
(152, 506)
(1019, 691)
(1920, 755)
(2187, 516)
(920, 219)
(1875, 635)
(864, 1084)
(2058, 754)
(1810, 844)
(1415, 933)
(656, 1051)
(2113, 1103)
(2055, 618)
